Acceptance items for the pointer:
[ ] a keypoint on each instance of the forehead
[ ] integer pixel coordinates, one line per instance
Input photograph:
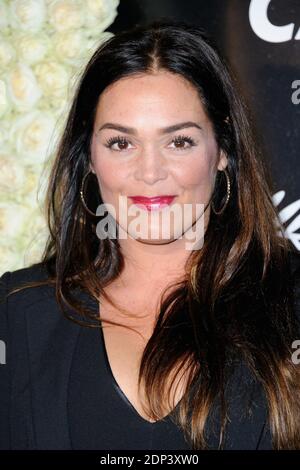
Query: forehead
(159, 96)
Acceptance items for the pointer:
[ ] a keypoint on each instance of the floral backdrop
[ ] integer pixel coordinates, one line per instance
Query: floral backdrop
(44, 46)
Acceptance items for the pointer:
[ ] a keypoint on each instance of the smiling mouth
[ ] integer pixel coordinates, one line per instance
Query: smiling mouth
(152, 203)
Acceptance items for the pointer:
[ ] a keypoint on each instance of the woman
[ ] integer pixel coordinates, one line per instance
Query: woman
(196, 349)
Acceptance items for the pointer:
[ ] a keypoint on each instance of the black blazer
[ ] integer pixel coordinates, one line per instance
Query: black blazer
(39, 344)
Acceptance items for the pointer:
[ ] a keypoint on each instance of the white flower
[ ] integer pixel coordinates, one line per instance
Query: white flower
(22, 87)
(4, 21)
(31, 135)
(4, 133)
(11, 176)
(69, 46)
(27, 15)
(66, 14)
(12, 218)
(26, 233)
(32, 193)
(7, 54)
(44, 46)
(101, 13)
(32, 48)
(10, 255)
(4, 102)
(52, 78)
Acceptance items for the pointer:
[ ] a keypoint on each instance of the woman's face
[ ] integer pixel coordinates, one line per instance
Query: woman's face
(150, 161)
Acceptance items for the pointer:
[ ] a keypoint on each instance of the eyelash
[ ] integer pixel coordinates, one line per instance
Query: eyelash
(122, 140)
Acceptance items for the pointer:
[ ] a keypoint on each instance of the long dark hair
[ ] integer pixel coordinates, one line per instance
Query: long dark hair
(237, 302)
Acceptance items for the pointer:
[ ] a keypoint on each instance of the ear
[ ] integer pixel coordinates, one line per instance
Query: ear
(223, 161)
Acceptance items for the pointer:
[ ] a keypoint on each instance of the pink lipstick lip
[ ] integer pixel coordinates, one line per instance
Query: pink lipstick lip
(152, 200)
(153, 203)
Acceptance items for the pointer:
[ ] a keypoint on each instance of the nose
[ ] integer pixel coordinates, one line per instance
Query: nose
(151, 166)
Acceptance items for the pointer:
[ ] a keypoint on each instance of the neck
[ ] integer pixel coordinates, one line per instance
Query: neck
(155, 262)
(150, 262)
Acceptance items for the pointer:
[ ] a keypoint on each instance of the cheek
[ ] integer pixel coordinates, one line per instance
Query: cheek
(197, 173)
(110, 176)
(111, 181)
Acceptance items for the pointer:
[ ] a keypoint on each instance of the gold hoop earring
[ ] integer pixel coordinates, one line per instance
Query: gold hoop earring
(228, 190)
(82, 195)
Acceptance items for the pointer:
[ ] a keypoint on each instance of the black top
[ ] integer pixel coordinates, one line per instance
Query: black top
(58, 391)
(100, 415)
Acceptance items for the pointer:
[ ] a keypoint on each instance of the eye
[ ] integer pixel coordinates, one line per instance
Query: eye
(181, 139)
(122, 141)
(116, 140)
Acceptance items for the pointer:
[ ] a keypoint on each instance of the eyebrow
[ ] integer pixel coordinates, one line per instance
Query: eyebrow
(163, 130)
